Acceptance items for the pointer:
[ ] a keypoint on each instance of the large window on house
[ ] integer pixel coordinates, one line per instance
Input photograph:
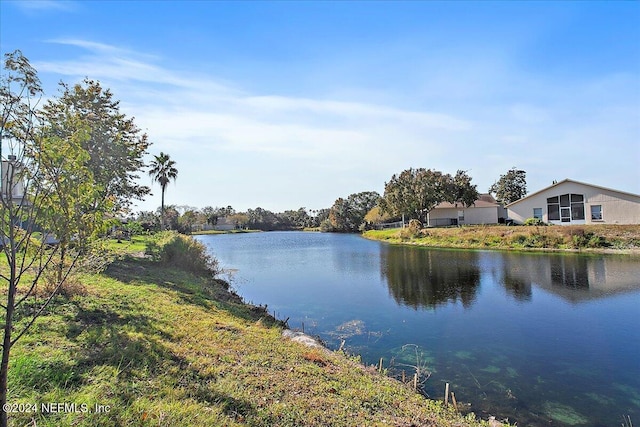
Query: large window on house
(566, 208)
(553, 208)
(596, 212)
(577, 207)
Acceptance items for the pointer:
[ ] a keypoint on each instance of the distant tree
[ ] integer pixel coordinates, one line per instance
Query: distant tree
(318, 217)
(376, 216)
(361, 203)
(510, 187)
(162, 171)
(133, 227)
(149, 221)
(414, 192)
(461, 190)
(187, 221)
(115, 145)
(210, 215)
(262, 219)
(346, 215)
(226, 211)
(295, 219)
(239, 219)
(169, 219)
(340, 216)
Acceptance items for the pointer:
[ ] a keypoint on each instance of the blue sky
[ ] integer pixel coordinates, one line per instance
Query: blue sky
(293, 104)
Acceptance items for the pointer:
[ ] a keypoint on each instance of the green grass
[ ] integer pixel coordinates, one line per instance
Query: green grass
(595, 238)
(158, 346)
(137, 244)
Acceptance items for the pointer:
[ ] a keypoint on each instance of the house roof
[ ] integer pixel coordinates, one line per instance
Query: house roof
(573, 181)
(484, 201)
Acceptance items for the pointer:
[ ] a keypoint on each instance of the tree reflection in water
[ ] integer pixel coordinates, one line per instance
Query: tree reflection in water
(426, 278)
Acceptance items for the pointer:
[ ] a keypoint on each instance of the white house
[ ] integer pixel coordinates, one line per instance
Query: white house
(485, 210)
(11, 183)
(571, 202)
(224, 224)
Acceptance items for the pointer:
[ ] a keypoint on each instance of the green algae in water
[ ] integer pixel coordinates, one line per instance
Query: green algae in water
(630, 392)
(499, 359)
(512, 372)
(564, 413)
(491, 369)
(411, 356)
(599, 398)
(464, 355)
(350, 329)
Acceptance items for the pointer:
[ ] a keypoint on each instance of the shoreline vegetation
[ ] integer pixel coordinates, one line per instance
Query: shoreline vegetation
(619, 239)
(156, 339)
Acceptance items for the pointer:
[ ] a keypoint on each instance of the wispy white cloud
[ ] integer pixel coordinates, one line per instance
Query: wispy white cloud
(262, 147)
(45, 5)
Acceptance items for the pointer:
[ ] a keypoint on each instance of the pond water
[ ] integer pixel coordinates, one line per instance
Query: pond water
(536, 338)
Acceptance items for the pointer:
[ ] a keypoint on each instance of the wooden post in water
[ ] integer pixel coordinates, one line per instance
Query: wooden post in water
(380, 365)
(403, 378)
(453, 400)
(446, 394)
(415, 381)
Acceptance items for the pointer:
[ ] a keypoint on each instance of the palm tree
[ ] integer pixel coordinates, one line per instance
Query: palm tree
(163, 171)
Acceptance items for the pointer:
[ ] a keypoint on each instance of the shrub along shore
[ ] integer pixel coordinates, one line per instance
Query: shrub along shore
(159, 341)
(588, 238)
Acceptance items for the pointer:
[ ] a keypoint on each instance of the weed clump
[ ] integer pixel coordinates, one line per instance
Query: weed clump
(534, 222)
(412, 230)
(177, 250)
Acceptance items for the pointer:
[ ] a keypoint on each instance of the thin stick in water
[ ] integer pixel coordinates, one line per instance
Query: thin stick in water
(446, 394)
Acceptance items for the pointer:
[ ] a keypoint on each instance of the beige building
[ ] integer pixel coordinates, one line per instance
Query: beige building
(11, 184)
(571, 202)
(485, 210)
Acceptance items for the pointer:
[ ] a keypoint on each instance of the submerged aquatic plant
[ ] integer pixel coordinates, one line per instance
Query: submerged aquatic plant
(464, 355)
(564, 413)
(421, 367)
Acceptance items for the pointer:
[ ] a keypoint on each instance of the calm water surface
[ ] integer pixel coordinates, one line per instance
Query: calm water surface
(541, 339)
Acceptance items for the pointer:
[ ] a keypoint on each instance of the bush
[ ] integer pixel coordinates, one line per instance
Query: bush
(325, 226)
(415, 226)
(582, 239)
(184, 252)
(411, 230)
(533, 221)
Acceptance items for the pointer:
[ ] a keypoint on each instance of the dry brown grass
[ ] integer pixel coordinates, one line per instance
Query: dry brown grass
(576, 237)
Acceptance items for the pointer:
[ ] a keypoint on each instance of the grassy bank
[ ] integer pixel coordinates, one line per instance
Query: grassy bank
(144, 344)
(601, 238)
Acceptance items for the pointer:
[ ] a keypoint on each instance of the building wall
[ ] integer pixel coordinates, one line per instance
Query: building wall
(472, 215)
(617, 208)
(9, 170)
(224, 225)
